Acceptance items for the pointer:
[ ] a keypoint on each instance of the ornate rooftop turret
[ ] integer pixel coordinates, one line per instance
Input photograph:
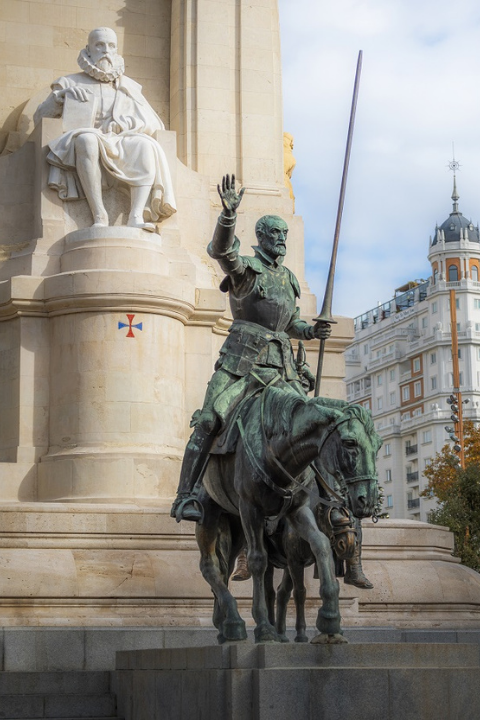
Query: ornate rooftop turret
(456, 227)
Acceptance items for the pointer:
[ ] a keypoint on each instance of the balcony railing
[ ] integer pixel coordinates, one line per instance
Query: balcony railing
(411, 449)
(413, 504)
(412, 476)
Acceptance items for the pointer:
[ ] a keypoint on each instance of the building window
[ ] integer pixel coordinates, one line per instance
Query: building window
(389, 501)
(391, 348)
(435, 276)
(477, 327)
(426, 462)
(427, 436)
(474, 272)
(424, 322)
(416, 365)
(478, 353)
(392, 375)
(417, 388)
(460, 378)
(365, 349)
(433, 358)
(476, 303)
(393, 398)
(433, 383)
(452, 273)
(435, 307)
(387, 449)
(388, 476)
(406, 393)
(417, 412)
(379, 380)
(379, 403)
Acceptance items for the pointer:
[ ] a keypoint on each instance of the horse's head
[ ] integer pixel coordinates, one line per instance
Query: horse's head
(347, 457)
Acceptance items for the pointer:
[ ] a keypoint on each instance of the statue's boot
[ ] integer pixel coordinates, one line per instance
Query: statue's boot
(241, 571)
(186, 505)
(354, 574)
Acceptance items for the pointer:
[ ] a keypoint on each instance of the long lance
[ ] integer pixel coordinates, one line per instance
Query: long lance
(326, 312)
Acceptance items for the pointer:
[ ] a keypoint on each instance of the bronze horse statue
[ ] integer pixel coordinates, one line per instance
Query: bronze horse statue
(340, 473)
(281, 434)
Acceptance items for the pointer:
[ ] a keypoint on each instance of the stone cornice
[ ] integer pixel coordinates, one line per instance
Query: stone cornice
(109, 291)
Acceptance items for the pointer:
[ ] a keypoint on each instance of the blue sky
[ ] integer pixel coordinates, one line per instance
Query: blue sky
(419, 92)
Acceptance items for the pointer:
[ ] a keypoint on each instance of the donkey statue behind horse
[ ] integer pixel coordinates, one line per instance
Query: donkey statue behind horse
(269, 476)
(344, 467)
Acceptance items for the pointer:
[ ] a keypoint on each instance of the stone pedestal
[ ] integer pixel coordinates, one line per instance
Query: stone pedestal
(278, 682)
(113, 565)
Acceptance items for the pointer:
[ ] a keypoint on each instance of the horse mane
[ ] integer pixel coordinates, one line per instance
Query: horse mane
(352, 412)
(363, 415)
(280, 406)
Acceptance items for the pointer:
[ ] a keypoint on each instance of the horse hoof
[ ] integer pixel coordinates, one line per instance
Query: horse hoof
(283, 638)
(266, 633)
(328, 624)
(233, 631)
(324, 639)
(301, 639)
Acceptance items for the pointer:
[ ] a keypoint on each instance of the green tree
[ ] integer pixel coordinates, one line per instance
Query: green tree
(458, 495)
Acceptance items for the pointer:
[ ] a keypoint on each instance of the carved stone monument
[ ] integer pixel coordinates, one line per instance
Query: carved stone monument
(109, 333)
(108, 137)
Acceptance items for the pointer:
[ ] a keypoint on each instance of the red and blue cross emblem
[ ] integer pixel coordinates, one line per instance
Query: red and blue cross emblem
(130, 326)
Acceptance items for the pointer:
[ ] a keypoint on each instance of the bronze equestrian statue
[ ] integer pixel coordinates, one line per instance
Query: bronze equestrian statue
(263, 296)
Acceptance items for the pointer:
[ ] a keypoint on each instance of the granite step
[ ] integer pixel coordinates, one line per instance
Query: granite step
(55, 682)
(29, 706)
(72, 695)
(277, 655)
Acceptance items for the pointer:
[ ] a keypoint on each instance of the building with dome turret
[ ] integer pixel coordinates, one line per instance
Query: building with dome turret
(400, 363)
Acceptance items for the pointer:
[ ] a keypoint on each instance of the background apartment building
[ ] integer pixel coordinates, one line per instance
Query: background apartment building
(400, 363)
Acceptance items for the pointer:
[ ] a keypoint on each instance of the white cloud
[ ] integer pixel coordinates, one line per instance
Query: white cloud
(419, 92)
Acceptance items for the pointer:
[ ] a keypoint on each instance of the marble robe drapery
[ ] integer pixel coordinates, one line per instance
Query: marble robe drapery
(124, 126)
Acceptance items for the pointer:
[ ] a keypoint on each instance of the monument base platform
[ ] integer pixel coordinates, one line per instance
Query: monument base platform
(277, 682)
(114, 565)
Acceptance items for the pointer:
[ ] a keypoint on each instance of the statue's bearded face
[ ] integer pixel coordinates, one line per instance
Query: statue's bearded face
(102, 48)
(273, 239)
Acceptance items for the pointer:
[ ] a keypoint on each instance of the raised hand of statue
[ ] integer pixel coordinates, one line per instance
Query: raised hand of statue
(229, 197)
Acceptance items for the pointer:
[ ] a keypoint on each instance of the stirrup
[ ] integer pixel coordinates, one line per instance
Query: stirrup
(188, 508)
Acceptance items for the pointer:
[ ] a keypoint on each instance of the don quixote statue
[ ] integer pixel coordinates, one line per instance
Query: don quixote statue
(266, 467)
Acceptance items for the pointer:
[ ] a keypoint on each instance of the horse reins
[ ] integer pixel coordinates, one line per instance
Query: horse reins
(287, 495)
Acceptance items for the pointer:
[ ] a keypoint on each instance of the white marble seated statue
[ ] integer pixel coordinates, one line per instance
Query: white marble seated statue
(109, 137)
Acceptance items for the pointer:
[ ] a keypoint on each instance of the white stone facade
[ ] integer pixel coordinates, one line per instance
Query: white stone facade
(400, 366)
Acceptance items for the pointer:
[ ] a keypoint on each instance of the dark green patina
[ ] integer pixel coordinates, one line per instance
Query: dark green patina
(258, 442)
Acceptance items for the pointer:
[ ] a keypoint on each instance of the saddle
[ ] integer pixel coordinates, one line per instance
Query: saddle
(234, 403)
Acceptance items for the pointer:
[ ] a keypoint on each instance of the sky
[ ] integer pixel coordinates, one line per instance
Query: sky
(419, 93)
